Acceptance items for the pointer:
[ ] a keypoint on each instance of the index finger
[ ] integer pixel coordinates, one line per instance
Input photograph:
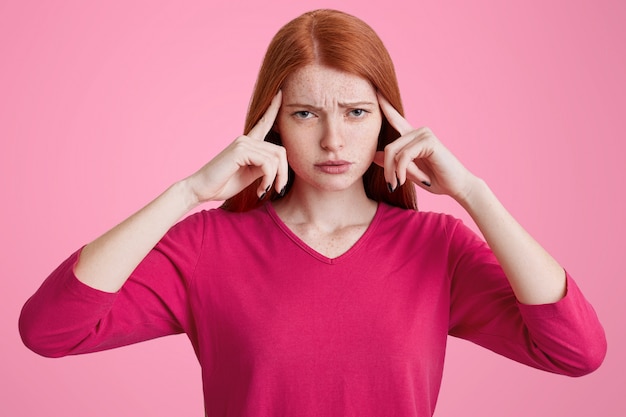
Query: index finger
(395, 119)
(266, 122)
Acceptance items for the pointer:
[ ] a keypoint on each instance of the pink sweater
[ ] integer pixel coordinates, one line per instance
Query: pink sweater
(280, 329)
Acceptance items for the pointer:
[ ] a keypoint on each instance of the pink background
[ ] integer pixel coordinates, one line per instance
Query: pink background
(104, 105)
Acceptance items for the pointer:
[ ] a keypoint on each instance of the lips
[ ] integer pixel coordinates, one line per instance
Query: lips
(333, 163)
(334, 166)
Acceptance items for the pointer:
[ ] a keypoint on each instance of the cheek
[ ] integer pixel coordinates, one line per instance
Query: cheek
(298, 135)
(293, 141)
(369, 133)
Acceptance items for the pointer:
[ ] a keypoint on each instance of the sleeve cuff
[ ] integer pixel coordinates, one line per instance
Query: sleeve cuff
(79, 289)
(572, 299)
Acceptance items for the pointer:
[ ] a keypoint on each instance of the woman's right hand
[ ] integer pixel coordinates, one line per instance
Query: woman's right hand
(243, 161)
(107, 262)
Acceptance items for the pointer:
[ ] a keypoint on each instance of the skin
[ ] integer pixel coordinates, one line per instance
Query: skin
(329, 124)
(328, 116)
(320, 123)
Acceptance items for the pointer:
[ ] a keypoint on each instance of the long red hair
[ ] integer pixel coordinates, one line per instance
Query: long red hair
(343, 42)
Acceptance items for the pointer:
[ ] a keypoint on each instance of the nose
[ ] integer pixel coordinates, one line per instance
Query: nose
(332, 137)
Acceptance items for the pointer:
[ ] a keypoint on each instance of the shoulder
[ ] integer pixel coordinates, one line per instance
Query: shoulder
(210, 219)
(215, 230)
(193, 229)
(217, 226)
(438, 231)
(426, 222)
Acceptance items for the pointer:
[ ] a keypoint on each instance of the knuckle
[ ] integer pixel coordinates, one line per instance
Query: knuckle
(240, 140)
(424, 130)
(390, 148)
(403, 159)
(240, 144)
(267, 162)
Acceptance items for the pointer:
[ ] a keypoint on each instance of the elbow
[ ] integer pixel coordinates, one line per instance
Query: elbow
(36, 345)
(34, 338)
(589, 358)
(41, 349)
(591, 363)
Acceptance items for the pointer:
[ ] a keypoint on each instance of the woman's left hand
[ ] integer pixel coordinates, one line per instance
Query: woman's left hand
(417, 155)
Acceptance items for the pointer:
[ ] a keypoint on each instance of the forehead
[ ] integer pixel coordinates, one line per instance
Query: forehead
(320, 83)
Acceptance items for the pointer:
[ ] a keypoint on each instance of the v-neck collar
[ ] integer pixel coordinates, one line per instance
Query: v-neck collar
(317, 255)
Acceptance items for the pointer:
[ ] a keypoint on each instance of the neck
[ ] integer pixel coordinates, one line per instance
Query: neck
(326, 209)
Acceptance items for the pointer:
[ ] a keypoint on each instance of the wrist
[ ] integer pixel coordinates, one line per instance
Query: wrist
(475, 191)
(186, 193)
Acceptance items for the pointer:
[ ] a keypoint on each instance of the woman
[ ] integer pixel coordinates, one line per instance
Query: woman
(318, 288)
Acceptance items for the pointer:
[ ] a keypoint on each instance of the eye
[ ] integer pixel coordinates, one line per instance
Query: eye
(303, 114)
(358, 113)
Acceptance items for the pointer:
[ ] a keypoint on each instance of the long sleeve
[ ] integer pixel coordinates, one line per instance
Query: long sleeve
(564, 337)
(280, 328)
(66, 317)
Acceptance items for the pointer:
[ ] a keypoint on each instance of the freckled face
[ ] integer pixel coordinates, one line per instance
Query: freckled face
(329, 123)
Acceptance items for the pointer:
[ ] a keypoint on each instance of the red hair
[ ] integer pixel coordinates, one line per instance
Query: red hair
(342, 42)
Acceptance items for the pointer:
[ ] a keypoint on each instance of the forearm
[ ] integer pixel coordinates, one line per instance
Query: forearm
(107, 262)
(536, 278)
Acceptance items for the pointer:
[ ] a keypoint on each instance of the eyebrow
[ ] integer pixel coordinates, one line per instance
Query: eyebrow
(343, 105)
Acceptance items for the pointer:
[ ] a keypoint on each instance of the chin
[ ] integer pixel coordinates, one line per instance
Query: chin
(339, 185)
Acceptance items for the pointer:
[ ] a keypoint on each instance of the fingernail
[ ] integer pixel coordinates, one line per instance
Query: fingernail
(268, 188)
(283, 191)
(262, 196)
(426, 183)
(390, 188)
